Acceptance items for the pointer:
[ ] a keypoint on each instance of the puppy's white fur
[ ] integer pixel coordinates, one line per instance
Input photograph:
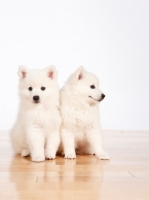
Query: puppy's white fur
(80, 130)
(36, 131)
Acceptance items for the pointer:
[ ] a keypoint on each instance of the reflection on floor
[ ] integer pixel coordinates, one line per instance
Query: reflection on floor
(124, 177)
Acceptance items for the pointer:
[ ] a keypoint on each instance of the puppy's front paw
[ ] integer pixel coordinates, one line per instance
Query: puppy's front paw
(50, 155)
(70, 155)
(38, 158)
(102, 155)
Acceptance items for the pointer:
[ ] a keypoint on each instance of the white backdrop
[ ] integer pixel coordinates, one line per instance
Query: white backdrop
(109, 38)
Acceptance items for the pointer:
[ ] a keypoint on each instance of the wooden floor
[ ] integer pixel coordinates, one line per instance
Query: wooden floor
(125, 176)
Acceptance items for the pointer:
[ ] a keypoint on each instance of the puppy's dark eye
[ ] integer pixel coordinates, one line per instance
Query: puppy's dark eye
(43, 88)
(30, 88)
(92, 86)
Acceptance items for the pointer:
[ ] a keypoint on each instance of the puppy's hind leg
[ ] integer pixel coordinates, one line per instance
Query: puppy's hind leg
(17, 139)
(95, 140)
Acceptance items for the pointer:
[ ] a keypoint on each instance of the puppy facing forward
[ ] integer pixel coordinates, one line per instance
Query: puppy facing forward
(80, 130)
(36, 131)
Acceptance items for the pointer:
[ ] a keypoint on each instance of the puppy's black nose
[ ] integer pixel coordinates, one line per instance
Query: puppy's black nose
(36, 98)
(103, 96)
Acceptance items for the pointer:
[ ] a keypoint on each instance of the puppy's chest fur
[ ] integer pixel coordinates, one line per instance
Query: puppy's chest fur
(85, 117)
(41, 117)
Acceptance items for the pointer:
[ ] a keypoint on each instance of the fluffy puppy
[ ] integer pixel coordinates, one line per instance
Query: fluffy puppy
(80, 130)
(36, 131)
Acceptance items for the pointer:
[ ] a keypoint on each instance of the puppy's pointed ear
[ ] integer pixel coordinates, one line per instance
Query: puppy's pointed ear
(51, 72)
(80, 73)
(22, 72)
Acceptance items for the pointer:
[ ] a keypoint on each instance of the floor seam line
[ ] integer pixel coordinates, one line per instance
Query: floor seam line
(131, 174)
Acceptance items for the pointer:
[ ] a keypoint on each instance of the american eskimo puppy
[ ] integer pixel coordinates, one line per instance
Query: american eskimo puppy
(80, 130)
(36, 131)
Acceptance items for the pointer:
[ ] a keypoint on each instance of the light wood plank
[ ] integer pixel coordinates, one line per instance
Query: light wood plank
(124, 177)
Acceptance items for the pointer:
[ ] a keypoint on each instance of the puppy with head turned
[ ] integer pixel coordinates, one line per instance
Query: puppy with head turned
(81, 131)
(36, 131)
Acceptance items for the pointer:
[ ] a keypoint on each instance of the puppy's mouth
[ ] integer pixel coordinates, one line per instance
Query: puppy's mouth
(36, 102)
(98, 100)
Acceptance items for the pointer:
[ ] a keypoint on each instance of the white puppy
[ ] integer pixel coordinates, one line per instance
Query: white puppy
(81, 131)
(36, 131)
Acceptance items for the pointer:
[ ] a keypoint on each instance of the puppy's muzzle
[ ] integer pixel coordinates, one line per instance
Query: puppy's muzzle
(101, 98)
(36, 99)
